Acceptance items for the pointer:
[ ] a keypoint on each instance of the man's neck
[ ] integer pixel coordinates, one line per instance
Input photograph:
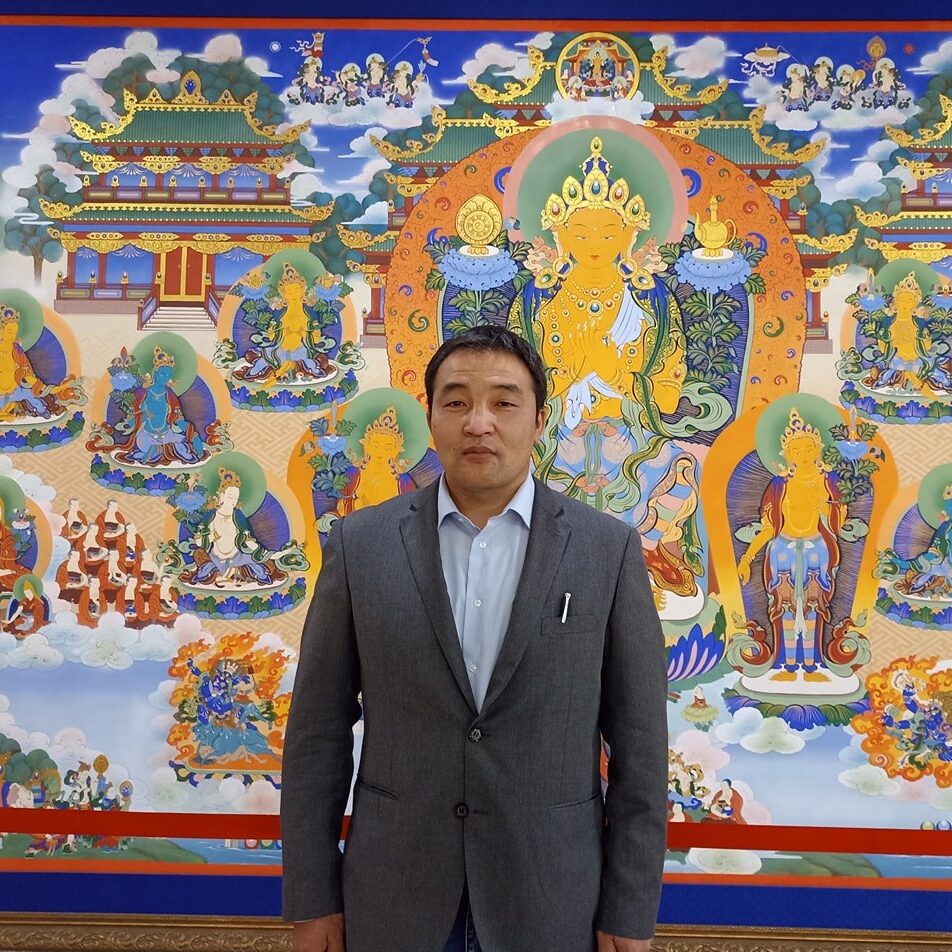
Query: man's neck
(480, 508)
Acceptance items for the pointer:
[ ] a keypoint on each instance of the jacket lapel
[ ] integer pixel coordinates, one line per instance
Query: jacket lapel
(548, 538)
(422, 542)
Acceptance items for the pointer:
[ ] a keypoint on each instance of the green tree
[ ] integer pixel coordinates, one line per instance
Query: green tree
(29, 233)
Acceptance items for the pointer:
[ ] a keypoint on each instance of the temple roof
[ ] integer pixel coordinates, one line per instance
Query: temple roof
(451, 140)
(189, 118)
(920, 219)
(147, 214)
(938, 136)
(745, 142)
(828, 244)
(360, 239)
(926, 251)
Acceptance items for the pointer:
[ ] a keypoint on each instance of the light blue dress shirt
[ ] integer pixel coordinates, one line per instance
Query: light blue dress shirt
(482, 568)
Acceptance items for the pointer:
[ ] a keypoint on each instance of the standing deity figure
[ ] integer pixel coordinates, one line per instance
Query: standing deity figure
(801, 515)
(611, 334)
(909, 364)
(381, 472)
(402, 87)
(295, 350)
(376, 82)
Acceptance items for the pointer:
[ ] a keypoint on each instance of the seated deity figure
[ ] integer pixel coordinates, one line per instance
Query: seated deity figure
(157, 433)
(227, 553)
(611, 334)
(23, 395)
(381, 472)
(292, 350)
(801, 515)
(929, 574)
(911, 363)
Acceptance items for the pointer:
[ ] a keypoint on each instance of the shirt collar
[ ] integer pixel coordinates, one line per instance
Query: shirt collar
(520, 504)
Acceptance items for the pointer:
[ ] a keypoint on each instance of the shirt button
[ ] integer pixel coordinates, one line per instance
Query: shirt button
(472, 668)
(461, 811)
(477, 602)
(475, 735)
(482, 545)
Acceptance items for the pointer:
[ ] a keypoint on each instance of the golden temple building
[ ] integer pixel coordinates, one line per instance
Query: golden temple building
(180, 198)
(922, 228)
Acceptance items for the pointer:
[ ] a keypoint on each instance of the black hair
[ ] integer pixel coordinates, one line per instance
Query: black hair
(490, 337)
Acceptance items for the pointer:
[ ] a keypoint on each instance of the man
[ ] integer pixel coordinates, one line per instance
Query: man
(495, 629)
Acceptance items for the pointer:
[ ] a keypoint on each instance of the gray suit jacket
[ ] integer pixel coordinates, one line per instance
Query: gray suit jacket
(507, 799)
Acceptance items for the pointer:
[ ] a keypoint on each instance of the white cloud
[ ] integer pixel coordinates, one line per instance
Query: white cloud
(774, 736)
(35, 651)
(111, 643)
(696, 747)
(725, 862)
(541, 41)
(376, 214)
(881, 150)
(705, 57)
(870, 781)
(227, 48)
(939, 61)
(224, 48)
(864, 182)
(747, 720)
(506, 61)
(306, 184)
(188, 628)
(101, 63)
(4, 703)
(259, 797)
(635, 110)
(166, 792)
(853, 755)
(363, 177)
(661, 41)
(363, 147)
(155, 643)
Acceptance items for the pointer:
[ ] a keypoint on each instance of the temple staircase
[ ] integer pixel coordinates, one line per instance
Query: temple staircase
(182, 318)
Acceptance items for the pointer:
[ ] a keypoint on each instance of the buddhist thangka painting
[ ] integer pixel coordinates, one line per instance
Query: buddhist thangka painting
(228, 255)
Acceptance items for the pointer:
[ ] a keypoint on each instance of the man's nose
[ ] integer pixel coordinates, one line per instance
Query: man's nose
(479, 420)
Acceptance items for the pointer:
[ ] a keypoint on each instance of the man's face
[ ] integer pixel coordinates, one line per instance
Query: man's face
(484, 422)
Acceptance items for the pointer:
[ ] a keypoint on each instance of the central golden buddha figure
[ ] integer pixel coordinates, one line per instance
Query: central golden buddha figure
(611, 334)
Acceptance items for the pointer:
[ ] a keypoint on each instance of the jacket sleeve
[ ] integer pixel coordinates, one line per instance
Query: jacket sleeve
(318, 754)
(633, 722)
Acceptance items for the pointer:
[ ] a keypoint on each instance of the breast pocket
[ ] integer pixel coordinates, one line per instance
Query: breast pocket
(573, 625)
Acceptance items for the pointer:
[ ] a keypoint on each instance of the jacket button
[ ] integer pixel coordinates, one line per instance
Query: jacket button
(461, 810)
(475, 735)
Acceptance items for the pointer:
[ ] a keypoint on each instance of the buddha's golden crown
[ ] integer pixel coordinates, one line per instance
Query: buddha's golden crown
(596, 190)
